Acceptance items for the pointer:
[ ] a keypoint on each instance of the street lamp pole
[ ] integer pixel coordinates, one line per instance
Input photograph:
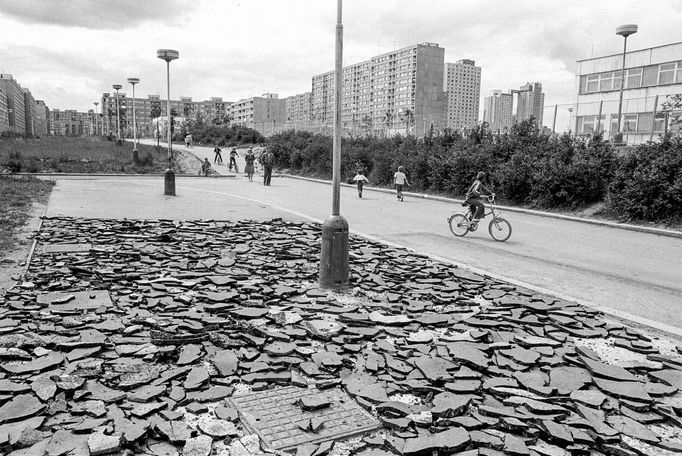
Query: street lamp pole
(168, 55)
(624, 31)
(334, 251)
(133, 81)
(119, 142)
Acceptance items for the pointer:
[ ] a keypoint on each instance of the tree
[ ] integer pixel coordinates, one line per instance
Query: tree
(366, 124)
(407, 115)
(671, 111)
(388, 120)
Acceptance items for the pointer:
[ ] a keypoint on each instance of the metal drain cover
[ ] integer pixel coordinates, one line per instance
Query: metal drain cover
(274, 414)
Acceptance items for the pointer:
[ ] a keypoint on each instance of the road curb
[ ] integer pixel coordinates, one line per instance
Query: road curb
(621, 226)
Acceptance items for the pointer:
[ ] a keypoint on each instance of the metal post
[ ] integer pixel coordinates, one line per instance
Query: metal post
(118, 117)
(622, 83)
(556, 106)
(96, 103)
(133, 81)
(334, 251)
(601, 105)
(653, 119)
(169, 177)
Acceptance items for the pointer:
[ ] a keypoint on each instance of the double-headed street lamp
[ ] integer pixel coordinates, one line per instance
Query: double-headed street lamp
(334, 251)
(624, 31)
(133, 81)
(119, 141)
(168, 55)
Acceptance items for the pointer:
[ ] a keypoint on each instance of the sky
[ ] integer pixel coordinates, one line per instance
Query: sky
(68, 52)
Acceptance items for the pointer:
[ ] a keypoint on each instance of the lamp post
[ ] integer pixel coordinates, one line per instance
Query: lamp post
(119, 141)
(96, 103)
(570, 120)
(334, 251)
(168, 55)
(624, 31)
(133, 81)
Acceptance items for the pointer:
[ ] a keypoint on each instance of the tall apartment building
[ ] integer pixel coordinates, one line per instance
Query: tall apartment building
(497, 111)
(531, 102)
(16, 111)
(4, 112)
(71, 122)
(463, 88)
(29, 112)
(651, 75)
(42, 119)
(265, 114)
(297, 111)
(387, 94)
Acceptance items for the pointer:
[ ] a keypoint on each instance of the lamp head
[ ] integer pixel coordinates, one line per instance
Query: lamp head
(117, 86)
(167, 54)
(133, 81)
(626, 30)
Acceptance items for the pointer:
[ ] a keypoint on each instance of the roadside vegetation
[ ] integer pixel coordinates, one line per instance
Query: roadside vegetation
(78, 155)
(218, 131)
(17, 195)
(525, 168)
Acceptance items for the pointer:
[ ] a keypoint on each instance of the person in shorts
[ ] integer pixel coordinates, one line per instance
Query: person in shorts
(218, 158)
(400, 180)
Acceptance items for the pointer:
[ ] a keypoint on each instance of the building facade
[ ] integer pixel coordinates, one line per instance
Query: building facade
(71, 122)
(463, 88)
(16, 110)
(297, 111)
(531, 102)
(4, 112)
(390, 93)
(266, 113)
(29, 113)
(651, 75)
(497, 111)
(42, 119)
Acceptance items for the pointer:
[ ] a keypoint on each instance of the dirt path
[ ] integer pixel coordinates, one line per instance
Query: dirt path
(13, 262)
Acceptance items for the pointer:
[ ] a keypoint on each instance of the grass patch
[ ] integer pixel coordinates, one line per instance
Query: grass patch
(78, 155)
(16, 201)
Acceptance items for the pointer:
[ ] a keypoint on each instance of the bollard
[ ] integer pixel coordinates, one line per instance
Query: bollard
(169, 182)
(136, 156)
(334, 253)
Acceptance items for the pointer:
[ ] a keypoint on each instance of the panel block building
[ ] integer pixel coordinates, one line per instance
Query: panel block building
(498, 111)
(16, 110)
(530, 103)
(391, 93)
(265, 114)
(463, 88)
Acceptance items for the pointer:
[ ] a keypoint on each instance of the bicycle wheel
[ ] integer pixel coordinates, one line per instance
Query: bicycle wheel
(499, 229)
(459, 225)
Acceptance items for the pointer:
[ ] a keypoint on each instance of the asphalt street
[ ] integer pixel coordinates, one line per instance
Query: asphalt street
(635, 274)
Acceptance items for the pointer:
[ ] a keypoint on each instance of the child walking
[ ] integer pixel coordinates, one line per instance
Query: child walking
(399, 180)
(360, 179)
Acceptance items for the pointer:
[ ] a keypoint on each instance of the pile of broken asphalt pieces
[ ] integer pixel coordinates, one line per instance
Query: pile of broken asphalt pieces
(196, 338)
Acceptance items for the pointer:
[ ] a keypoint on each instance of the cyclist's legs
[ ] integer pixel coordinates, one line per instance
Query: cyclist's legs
(477, 207)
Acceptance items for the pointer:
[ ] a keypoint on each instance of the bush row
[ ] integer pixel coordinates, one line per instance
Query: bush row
(222, 135)
(524, 167)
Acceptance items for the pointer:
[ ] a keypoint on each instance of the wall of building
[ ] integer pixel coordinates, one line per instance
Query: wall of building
(16, 111)
(463, 87)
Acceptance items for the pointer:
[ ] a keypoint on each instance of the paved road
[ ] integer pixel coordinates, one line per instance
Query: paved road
(636, 273)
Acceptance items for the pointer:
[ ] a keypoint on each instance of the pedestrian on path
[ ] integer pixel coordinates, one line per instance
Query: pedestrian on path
(233, 159)
(188, 141)
(360, 179)
(206, 167)
(400, 180)
(249, 158)
(218, 156)
(267, 159)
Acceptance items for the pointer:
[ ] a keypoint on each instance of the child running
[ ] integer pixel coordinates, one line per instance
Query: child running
(399, 180)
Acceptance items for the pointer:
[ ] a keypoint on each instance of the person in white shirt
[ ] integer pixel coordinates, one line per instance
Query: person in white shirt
(400, 180)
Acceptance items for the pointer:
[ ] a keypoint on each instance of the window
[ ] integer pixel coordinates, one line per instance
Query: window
(679, 71)
(666, 73)
(645, 121)
(592, 83)
(650, 75)
(605, 82)
(634, 78)
(617, 79)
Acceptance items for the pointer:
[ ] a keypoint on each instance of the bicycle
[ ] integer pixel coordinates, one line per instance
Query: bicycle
(499, 228)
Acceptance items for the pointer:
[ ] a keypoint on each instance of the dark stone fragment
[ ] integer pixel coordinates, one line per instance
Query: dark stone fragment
(608, 371)
(395, 408)
(449, 404)
(226, 362)
(469, 353)
(173, 431)
(314, 403)
(629, 390)
(630, 427)
(21, 406)
(558, 431)
(196, 378)
(189, 354)
(227, 413)
(48, 361)
(196, 408)
(568, 379)
(450, 440)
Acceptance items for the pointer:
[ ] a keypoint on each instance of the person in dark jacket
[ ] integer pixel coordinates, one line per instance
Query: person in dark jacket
(474, 197)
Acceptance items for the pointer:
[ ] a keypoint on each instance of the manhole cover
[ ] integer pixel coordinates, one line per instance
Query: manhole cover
(76, 300)
(66, 248)
(274, 415)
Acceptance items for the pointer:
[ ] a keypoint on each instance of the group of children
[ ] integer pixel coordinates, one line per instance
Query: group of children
(399, 180)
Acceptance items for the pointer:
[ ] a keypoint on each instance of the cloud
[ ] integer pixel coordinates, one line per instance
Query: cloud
(97, 14)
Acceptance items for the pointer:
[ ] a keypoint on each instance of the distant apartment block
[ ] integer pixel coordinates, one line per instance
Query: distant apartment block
(651, 75)
(297, 111)
(29, 113)
(497, 111)
(42, 119)
(4, 111)
(388, 94)
(71, 122)
(530, 103)
(463, 88)
(265, 114)
(16, 111)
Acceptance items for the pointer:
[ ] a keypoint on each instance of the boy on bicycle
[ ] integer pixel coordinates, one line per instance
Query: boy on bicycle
(473, 197)
(400, 179)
